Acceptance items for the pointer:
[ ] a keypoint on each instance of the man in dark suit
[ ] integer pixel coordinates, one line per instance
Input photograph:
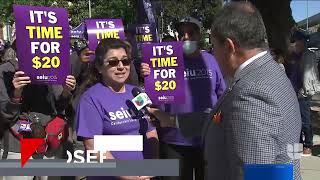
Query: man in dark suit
(258, 117)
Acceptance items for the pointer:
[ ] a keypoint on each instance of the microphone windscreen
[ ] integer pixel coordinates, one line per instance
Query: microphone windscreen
(136, 91)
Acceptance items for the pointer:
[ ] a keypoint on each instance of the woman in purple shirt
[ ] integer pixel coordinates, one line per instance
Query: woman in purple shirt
(104, 108)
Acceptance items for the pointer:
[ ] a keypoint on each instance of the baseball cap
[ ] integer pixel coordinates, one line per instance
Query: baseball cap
(190, 19)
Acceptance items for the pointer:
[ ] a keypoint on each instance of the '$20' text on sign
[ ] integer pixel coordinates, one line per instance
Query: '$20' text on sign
(163, 62)
(44, 32)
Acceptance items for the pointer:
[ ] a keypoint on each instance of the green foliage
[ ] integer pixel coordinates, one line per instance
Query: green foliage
(7, 12)
(123, 9)
(176, 10)
(78, 9)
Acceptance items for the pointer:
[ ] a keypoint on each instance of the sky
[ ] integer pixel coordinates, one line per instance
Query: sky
(299, 8)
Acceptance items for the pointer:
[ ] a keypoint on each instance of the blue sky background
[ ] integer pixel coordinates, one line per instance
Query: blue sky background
(299, 8)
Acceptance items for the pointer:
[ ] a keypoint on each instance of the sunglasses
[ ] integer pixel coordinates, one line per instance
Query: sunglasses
(115, 62)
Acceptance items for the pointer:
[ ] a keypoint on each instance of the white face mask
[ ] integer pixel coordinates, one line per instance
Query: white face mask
(190, 47)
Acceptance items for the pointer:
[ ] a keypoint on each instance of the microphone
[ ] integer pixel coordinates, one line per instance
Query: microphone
(141, 100)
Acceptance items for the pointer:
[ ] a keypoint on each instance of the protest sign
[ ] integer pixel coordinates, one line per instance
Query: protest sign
(78, 32)
(99, 29)
(142, 33)
(43, 43)
(165, 84)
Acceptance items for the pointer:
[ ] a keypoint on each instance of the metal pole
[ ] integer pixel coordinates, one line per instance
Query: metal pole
(307, 16)
(89, 9)
(162, 28)
(8, 32)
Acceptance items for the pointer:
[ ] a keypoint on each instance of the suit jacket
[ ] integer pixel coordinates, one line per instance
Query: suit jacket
(260, 117)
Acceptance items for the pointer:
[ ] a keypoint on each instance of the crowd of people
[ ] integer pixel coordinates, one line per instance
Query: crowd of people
(248, 103)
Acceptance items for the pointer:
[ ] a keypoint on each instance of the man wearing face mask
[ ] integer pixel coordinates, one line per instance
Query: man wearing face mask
(204, 85)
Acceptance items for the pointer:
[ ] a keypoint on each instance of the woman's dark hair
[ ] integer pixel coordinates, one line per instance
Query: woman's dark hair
(103, 47)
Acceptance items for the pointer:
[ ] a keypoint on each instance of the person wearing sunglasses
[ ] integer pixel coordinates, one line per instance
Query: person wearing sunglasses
(104, 107)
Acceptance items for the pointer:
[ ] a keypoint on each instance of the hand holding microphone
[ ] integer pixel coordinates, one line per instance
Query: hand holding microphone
(166, 120)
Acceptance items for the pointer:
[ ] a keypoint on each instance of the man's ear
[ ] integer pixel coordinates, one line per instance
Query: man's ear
(230, 46)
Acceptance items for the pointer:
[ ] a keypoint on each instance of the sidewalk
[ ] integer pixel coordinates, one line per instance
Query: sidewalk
(310, 166)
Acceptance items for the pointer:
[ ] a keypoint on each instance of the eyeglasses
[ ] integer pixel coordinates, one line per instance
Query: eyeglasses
(115, 62)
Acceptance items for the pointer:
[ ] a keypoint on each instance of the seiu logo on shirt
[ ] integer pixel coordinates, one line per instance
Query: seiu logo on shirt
(198, 73)
(121, 114)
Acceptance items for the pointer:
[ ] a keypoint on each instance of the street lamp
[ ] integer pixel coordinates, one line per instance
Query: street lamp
(89, 9)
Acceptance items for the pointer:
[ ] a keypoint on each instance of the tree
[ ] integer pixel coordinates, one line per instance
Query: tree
(6, 10)
(175, 10)
(123, 9)
(278, 20)
(78, 9)
(169, 13)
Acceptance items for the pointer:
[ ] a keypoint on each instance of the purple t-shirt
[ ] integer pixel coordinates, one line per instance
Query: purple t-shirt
(204, 85)
(104, 112)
